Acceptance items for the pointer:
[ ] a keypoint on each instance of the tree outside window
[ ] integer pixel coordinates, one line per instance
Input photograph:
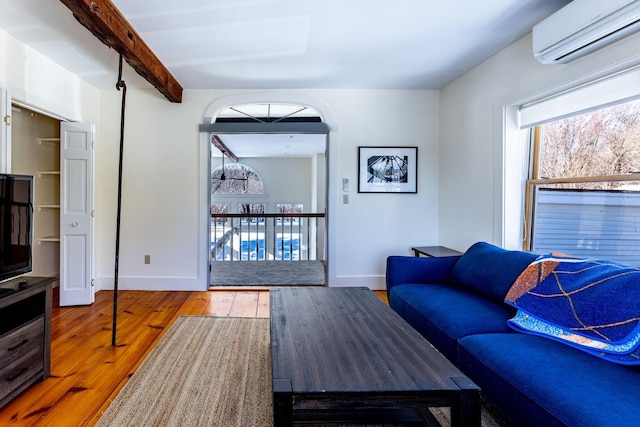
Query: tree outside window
(599, 143)
(583, 198)
(287, 209)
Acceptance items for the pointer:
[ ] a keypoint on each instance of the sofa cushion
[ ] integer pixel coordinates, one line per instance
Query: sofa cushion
(443, 313)
(536, 381)
(489, 270)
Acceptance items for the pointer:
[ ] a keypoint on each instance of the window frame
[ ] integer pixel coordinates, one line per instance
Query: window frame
(535, 179)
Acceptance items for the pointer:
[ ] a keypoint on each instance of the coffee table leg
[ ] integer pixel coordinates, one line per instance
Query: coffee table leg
(468, 413)
(282, 403)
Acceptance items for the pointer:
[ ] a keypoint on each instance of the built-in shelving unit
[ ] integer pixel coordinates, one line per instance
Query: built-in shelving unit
(35, 151)
(47, 199)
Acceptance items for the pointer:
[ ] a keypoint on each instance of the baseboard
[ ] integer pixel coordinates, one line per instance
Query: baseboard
(373, 282)
(137, 283)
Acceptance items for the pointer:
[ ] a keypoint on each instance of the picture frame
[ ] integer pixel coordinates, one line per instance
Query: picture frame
(387, 169)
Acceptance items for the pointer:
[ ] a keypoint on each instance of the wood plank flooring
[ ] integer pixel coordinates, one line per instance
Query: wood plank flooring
(87, 371)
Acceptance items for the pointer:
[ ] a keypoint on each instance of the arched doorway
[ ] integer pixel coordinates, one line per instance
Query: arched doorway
(275, 139)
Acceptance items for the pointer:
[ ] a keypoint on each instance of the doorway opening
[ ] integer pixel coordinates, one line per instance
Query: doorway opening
(267, 192)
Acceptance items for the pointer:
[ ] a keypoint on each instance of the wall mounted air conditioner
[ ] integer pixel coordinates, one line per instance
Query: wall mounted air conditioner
(583, 26)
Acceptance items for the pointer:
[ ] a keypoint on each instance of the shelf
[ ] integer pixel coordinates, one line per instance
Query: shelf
(48, 173)
(49, 141)
(40, 207)
(49, 239)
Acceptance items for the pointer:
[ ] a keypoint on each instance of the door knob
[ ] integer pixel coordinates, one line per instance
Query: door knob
(74, 224)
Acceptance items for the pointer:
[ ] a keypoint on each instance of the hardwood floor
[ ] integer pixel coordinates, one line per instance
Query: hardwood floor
(87, 371)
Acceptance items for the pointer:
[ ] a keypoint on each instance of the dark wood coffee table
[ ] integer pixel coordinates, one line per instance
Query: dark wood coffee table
(341, 355)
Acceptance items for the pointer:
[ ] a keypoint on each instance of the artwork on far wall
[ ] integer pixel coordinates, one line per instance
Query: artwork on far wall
(387, 169)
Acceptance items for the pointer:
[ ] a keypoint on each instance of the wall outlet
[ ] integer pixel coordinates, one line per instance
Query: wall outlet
(147, 259)
(345, 199)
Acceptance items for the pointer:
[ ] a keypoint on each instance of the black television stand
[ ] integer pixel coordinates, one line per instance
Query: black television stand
(25, 334)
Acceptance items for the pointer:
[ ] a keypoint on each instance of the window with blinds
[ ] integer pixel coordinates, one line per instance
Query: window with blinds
(583, 195)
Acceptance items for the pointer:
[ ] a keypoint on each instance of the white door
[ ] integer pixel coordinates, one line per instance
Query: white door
(76, 213)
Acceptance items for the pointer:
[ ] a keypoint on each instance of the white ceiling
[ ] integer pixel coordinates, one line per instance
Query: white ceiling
(276, 44)
(273, 145)
(287, 44)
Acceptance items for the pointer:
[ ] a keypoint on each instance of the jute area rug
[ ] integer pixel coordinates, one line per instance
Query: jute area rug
(205, 371)
(209, 371)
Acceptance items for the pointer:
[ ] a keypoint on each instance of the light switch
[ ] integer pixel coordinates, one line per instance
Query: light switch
(345, 185)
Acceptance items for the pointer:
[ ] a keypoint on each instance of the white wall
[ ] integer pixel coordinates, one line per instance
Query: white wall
(165, 178)
(286, 181)
(461, 133)
(373, 226)
(481, 157)
(160, 199)
(165, 170)
(35, 80)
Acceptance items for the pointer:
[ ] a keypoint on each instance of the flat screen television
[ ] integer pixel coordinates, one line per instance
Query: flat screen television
(16, 225)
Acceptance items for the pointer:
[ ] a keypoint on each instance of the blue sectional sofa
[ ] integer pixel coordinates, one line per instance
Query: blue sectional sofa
(458, 304)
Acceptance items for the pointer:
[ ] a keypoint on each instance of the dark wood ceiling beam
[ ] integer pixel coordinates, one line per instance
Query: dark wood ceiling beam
(106, 22)
(215, 140)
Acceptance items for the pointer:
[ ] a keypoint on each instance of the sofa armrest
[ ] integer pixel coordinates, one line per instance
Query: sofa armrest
(405, 269)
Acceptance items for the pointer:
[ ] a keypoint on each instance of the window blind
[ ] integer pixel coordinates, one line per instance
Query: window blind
(611, 90)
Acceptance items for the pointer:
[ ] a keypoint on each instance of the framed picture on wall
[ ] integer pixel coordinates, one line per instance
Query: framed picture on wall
(387, 169)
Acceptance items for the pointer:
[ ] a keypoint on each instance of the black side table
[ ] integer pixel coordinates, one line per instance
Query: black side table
(434, 251)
